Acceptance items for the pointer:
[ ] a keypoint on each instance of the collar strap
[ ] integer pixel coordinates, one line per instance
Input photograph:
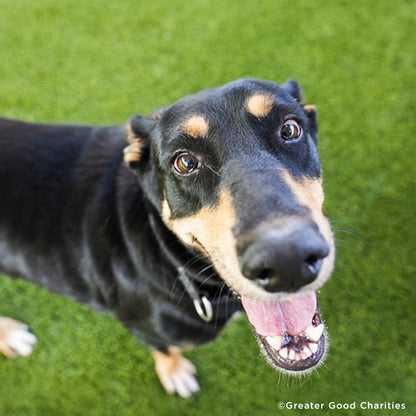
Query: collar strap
(202, 304)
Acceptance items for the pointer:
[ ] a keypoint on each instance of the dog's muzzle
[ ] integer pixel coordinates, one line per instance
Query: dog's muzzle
(282, 260)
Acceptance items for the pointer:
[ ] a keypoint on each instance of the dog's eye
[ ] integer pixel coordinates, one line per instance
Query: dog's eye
(185, 163)
(290, 130)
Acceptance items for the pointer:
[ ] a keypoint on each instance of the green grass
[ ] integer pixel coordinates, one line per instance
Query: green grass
(101, 62)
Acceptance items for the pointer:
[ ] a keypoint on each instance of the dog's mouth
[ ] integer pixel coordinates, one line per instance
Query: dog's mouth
(290, 332)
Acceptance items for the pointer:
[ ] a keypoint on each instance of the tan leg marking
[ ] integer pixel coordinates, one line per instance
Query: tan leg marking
(260, 104)
(196, 126)
(15, 338)
(176, 373)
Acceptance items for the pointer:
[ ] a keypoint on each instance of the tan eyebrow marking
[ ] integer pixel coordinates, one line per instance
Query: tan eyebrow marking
(259, 104)
(196, 126)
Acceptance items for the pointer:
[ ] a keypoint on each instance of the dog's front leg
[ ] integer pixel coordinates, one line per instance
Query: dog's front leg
(176, 373)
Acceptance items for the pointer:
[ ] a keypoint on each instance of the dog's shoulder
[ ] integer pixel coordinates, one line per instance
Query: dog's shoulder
(47, 164)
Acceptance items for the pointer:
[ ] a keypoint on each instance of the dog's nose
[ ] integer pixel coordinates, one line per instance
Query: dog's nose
(284, 258)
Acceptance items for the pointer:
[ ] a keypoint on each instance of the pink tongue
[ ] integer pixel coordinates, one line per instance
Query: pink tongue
(292, 315)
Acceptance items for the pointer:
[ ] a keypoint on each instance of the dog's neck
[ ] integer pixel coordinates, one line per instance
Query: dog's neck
(182, 258)
(209, 293)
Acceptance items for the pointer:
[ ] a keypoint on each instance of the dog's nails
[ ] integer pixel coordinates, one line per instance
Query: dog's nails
(186, 385)
(275, 341)
(314, 333)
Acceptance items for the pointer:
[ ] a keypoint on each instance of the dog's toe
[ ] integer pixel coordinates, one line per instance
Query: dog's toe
(15, 338)
(184, 380)
(176, 373)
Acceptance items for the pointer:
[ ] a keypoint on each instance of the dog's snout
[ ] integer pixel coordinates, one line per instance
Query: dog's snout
(284, 258)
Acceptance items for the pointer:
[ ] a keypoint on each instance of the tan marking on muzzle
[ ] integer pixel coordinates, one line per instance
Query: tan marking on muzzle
(259, 105)
(196, 126)
(309, 193)
(209, 231)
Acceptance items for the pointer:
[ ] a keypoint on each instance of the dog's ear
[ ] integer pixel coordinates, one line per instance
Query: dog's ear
(294, 89)
(311, 112)
(139, 130)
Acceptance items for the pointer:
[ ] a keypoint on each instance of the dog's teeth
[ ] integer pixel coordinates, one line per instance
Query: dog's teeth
(283, 353)
(275, 342)
(313, 346)
(291, 355)
(298, 356)
(306, 353)
(314, 332)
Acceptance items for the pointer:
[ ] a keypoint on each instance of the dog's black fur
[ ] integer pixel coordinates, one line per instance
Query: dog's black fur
(76, 218)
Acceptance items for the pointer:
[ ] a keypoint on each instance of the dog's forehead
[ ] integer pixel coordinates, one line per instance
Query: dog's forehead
(194, 113)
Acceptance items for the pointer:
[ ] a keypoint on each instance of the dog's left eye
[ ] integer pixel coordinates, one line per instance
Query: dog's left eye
(185, 163)
(290, 130)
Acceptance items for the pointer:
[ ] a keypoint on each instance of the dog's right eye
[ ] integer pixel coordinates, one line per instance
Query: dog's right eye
(185, 163)
(290, 130)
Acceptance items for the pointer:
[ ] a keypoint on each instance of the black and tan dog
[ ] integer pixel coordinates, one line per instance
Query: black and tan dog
(175, 222)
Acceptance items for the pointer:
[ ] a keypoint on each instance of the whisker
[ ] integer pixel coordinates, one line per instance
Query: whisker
(212, 170)
(210, 266)
(210, 276)
(219, 296)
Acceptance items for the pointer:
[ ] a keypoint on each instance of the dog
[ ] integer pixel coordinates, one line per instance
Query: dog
(175, 222)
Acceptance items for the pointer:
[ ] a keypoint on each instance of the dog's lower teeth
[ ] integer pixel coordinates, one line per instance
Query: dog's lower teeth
(289, 354)
(314, 333)
(306, 353)
(313, 347)
(304, 345)
(275, 342)
(283, 353)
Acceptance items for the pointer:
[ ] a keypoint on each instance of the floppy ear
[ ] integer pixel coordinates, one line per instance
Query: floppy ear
(311, 112)
(139, 130)
(294, 89)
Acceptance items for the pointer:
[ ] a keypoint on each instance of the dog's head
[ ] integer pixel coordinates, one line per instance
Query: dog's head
(235, 174)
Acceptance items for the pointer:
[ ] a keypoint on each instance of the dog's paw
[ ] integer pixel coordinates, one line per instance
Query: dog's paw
(15, 338)
(181, 381)
(176, 373)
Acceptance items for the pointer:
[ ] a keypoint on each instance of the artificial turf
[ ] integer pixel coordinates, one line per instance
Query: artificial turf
(100, 62)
